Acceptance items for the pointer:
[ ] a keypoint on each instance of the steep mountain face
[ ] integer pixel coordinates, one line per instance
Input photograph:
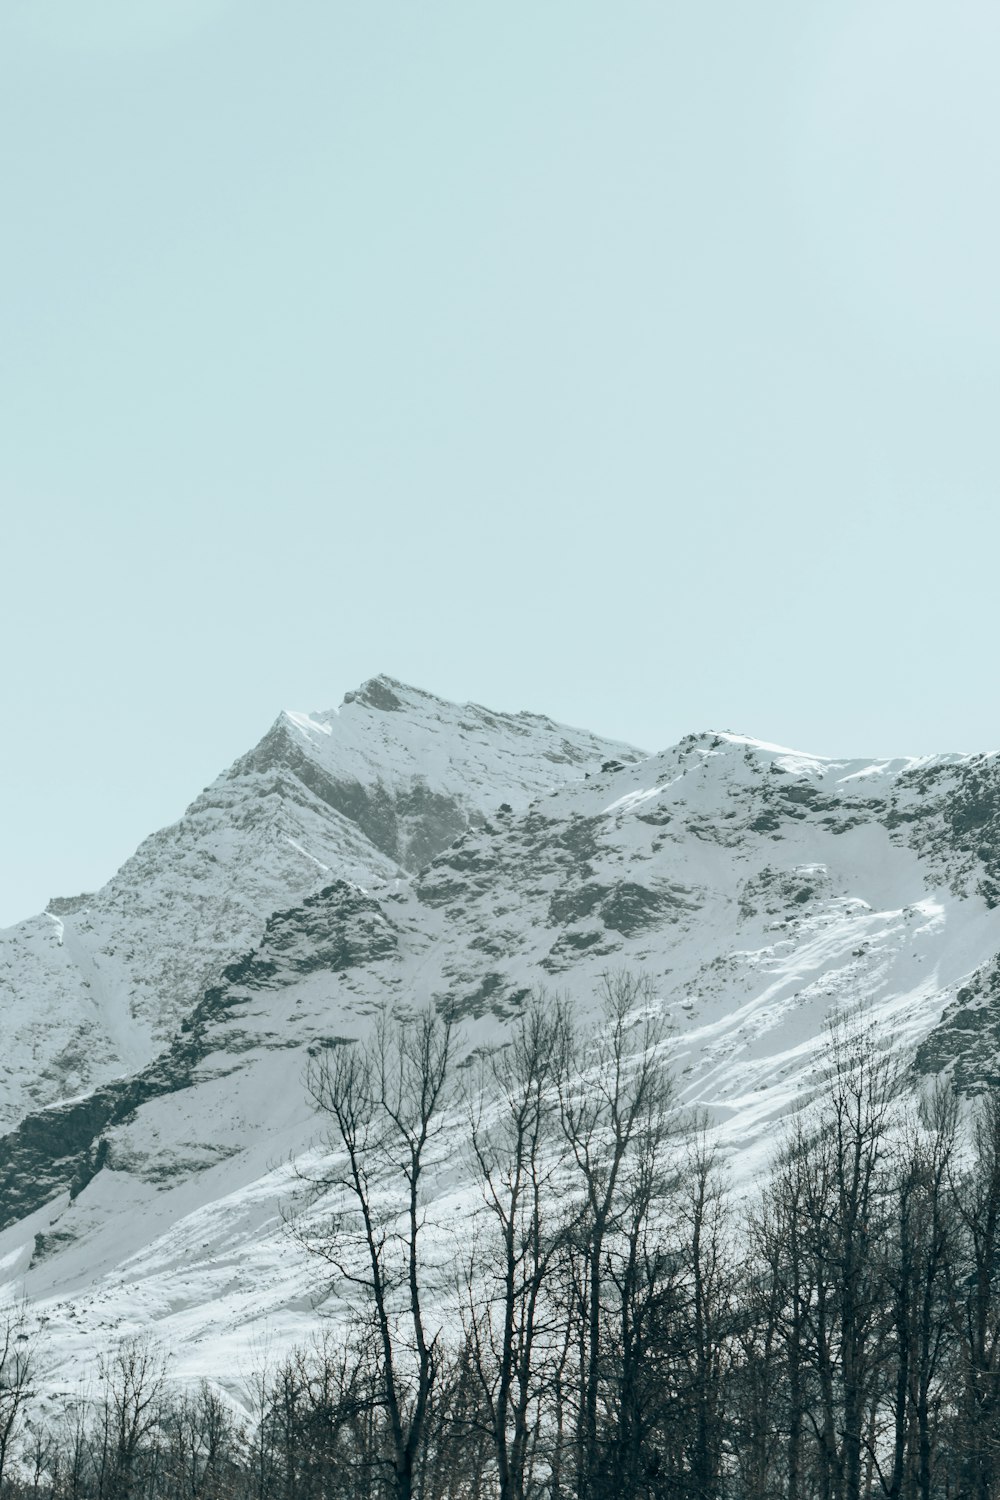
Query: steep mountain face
(98, 984)
(412, 772)
(758, 889)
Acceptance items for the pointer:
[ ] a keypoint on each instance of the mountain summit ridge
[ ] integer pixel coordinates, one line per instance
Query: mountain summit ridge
(98, 983)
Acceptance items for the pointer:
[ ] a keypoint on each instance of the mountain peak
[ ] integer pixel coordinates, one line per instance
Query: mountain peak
(383, 692)
(361, 793)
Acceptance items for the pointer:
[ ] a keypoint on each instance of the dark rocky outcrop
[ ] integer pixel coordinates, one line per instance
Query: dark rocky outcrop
(966, 1042)
(62, 1148)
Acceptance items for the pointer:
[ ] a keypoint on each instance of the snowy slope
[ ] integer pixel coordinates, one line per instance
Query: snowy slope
(94, 987)
(758, 889)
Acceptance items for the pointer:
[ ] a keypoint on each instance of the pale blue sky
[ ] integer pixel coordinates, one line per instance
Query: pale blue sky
(635, 363)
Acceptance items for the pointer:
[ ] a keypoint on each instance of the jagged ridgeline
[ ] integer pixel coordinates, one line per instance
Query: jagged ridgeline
(402, 852)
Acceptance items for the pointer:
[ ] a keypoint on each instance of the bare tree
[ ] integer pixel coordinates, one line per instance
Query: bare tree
(616, 1113)
(974, 1296)
(514, 1129)
(851, 1246)
(132, 1380)
(386, 1103)
(923, 1338)
(781, 1312)
(826, 1235)
(17, 1359)
(708, 1281)
(201, 1445)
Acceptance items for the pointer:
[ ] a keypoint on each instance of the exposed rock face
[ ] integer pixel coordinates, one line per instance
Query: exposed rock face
(966, 1043)
(62, 1148)
(403, 852)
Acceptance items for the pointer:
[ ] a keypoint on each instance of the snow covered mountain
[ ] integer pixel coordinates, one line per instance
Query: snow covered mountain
(97, 984)
(406, 851)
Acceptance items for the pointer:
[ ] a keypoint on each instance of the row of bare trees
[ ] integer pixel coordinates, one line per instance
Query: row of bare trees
(128, 1437)
(869, 1315)
(600, 1319)
(566, 1139)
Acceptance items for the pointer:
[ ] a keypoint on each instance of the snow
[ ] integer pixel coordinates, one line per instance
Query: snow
(755, 914)
(306, 724)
